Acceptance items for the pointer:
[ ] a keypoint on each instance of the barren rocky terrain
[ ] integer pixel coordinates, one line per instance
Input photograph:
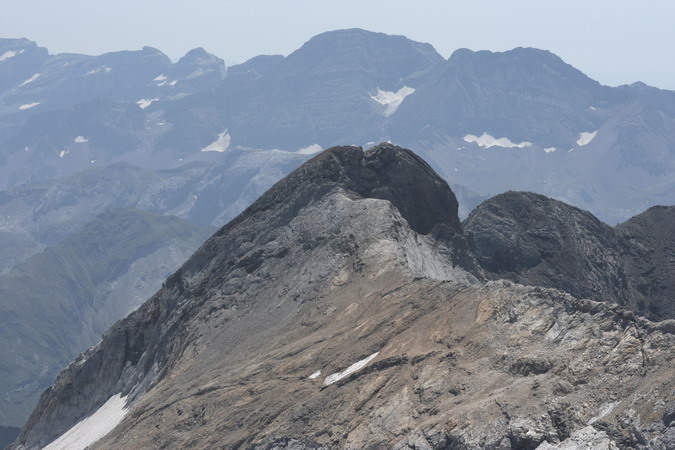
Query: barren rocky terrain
(348, 308)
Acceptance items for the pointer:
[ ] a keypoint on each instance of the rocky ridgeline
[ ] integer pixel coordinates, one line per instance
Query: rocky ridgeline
(348, 307)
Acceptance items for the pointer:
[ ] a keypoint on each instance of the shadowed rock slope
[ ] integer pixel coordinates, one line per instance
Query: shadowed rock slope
(649, 255)
(343, 309)
(532, 239)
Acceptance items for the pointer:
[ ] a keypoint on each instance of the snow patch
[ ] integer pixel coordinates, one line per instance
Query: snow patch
(310, 150)
(219, 145)
(606, 409)
(315, 375)
(550, 149)
(30, 80)
(81, 139)
(585, 138)
(173, 83)
(349, 370)
(392, 100)
(29, 105)
(145, 102)
(91, 429)
(197, 73)
(105, 69)
(160, 77)
(10, 54)
(488, 141)
(63, 153)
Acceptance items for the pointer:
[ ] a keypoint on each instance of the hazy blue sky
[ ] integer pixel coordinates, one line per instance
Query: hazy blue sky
(613, 41)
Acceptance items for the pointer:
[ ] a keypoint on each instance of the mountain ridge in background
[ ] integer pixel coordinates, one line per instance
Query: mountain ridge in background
(477, 117)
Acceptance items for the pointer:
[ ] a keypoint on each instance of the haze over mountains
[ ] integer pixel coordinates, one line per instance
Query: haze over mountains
(133, 132)
(482, 119)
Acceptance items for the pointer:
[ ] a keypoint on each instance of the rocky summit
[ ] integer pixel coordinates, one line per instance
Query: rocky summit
(348, 307)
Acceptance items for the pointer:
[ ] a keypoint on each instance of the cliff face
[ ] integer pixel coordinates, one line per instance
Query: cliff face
(649, 255)
(345, 308)
(532, 239)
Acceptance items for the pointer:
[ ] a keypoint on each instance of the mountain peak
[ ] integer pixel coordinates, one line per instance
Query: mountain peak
(385, 172)
(199, 56)
(377, 53)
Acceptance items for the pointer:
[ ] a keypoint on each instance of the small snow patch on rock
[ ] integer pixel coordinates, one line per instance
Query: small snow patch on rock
(488, 141)
(585, 138)
(392, 100)
(104, 69)
(30, 80)
(219, 145)
(10, 54)
(349, 370)
(145, 102)
(29, 105)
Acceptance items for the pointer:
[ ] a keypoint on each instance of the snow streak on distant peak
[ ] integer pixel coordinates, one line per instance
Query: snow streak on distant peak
(488, 141)
(30, 80)
(10, 54)
(145, 102)
(105, 69)
(585, 138)
(219, 145)
(392, 100)
(29, 105)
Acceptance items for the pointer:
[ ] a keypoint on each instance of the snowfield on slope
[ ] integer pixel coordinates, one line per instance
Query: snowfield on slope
(219, 145)
(91, 429)
(392, 100)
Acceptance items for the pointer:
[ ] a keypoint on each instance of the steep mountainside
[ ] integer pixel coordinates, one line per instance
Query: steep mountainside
(58, 302)
(650, 259)
(532, 239)
(345, 309)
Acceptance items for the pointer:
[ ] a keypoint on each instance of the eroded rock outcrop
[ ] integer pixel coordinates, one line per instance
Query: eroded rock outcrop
(532, 239)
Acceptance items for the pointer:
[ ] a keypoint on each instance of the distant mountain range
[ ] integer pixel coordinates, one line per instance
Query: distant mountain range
(521, 119)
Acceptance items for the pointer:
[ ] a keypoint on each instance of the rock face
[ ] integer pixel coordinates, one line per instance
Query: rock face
(649, 257)
(344, 308)
(532, 239)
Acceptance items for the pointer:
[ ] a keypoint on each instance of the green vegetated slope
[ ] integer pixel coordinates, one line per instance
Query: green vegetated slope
(58, 302)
